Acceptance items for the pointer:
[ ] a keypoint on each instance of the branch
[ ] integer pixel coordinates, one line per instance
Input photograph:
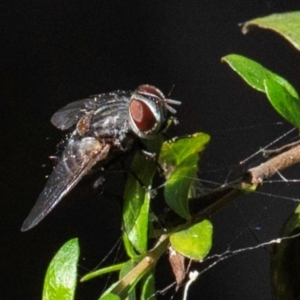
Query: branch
(274, 165)
(251, 181)
(205, 206)
(144, 266)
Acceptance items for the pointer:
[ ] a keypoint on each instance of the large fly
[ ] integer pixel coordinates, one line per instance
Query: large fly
(104, 126)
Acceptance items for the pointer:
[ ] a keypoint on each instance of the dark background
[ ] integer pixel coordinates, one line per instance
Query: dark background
(54, 52)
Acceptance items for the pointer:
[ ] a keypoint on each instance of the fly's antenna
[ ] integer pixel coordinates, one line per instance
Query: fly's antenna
(169, 102)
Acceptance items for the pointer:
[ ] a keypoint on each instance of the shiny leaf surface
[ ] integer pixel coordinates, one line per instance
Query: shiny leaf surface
(179, 160)
(61, 276)
(137, 199)
(194, 242)
(285, 24)
(281, 94)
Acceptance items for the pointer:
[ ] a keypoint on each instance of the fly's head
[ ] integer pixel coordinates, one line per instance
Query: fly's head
(148, 111)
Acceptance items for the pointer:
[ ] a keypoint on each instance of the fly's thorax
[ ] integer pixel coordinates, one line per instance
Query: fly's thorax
(112, 120)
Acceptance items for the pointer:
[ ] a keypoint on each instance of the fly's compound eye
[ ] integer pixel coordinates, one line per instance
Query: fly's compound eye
(142, 115)
(148, 111)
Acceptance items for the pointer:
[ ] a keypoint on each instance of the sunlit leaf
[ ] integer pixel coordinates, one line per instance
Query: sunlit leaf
(179, 160)
(286, 24)
(148, 287)
(61, 276)
(175, 151)
(110, 297)
(178, 185)
(136, 216)
(255, 74)
(194, 242)
(137, 199)
(282, 95)
(130, 250)
(285, 261)
(102, 271)
(284, 103)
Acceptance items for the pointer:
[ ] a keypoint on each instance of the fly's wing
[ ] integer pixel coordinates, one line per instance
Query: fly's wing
(70, 114)
(77, 159)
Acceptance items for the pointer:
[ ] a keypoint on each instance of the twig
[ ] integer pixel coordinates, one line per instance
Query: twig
(276, 164)
(252, 180)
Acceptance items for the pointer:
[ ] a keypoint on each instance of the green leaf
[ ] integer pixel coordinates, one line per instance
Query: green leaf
(102, 271)
(285, 261)
(178, 185)
(137, 199)
(110, 297)
(175, 151)
(286, 24)
(194, 242)
(283, 102)
(130, 250)
(179, 160)
(255, 74)
(136, 211)
(60, 281)
(148, 288)
(282, 95)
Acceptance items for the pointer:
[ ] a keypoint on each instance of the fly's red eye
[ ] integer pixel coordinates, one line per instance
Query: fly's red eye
(142, 115)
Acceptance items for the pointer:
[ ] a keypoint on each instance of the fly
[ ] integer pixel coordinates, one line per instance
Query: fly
(102, 127)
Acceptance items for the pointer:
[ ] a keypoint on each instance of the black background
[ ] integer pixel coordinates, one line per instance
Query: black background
(54, 52)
